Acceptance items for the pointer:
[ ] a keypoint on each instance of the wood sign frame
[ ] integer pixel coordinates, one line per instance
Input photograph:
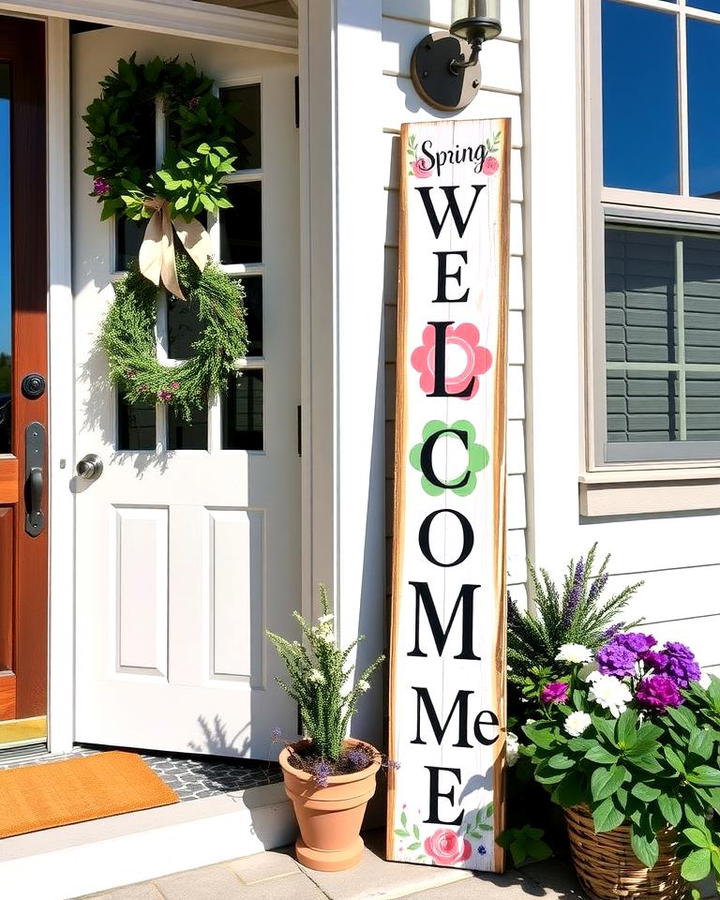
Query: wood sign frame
(448, 657)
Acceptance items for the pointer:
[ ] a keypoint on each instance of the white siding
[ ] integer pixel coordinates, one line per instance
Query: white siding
(405, 22)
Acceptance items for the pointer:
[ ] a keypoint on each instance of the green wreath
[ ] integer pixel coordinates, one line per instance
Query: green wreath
(200, 142)
(128, 338)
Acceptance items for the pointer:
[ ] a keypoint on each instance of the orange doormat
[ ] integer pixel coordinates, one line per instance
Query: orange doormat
(77, 790)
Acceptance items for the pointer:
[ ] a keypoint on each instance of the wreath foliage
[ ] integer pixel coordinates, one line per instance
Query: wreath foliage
(200, 140)
(128, 338)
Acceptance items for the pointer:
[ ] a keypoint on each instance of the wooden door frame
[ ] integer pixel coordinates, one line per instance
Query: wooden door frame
(22, 43)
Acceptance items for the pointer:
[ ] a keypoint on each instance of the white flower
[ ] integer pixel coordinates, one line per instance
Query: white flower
(363, 685)
(574, 653)
(323, 620)
(512, 749)
(576, 723)
(317, 676)
(610, 693)
(586, 673)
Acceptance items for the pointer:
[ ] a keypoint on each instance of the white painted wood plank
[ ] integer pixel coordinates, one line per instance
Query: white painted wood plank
(646, 544)
(516, 392)
(516, 338)
(516, 511)
(500, 60)
(516, 448)
(439, 12)
(519, 594)
(516, 556)
(517, 239)
(390, 283)
(658, 600)
(517, 283)
(701, 635)
(400, 103)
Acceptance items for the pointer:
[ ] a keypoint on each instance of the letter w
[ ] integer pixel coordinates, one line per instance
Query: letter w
(452, 207)
(466, 597)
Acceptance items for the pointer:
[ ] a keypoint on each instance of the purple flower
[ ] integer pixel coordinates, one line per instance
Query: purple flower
(482, 850)
(636, 641)
(658, 692)
(655, 660)
(573, 599)
(165, 396)
(321, 772)
(613, 659)
(613, 630)
(555, 692)
(359, 758)
(276, 734)
(597, 586)
(678, 662)
(392, 764)
(101, 187)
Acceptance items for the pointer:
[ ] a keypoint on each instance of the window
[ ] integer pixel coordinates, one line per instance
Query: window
(657, 228)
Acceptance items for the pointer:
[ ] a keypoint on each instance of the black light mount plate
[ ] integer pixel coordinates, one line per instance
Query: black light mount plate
(434, 78)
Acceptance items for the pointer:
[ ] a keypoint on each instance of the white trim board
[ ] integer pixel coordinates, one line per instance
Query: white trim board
(183, 18)
(75, 860)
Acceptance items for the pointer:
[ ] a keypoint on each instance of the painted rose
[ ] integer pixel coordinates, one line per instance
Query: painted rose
(421, 168)
(465, 359)
(446, 848)
(490, 166)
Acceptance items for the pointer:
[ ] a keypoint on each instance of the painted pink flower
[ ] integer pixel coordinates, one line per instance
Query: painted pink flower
(490, 166)
(421, 168)
(464, 358)
(446, 848)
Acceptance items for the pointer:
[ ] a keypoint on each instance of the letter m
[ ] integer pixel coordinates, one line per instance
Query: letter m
(452, 208)
(424, 600)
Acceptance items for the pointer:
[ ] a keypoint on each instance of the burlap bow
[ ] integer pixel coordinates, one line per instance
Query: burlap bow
(157, 253)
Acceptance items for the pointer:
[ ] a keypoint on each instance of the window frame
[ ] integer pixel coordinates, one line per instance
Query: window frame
(619, 206)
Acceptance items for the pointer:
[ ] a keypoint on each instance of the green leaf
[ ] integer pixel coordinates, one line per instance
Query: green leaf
(606, 816)
(648, 763)
(701, 743)
(600, 755)
(403, 820)
(645, 847)
(684, 717)
(698, 837)
(400, 833)
(644, 792)
(604, 782)
(203, 149)
(674, 759)
(180, 202)
(572, 790)
(541, 736)
(696, 866)
(416, 832)
(606, 728)
(705, 775)
(670, 808)
(627, 729)
(214, 160)
(414, 846)
(561, 761)
(207, 203)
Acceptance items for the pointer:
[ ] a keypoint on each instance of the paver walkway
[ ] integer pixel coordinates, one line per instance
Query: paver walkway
(275, 874)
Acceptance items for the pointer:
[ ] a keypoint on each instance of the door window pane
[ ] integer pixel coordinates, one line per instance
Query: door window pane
(192, 435)
(703, 50)
(243, 411)
(184, 327)
(128, 237)
(241, 227)
(136, 425)
(5, 262)
(640, 94)
(253, 285)
(243, 103)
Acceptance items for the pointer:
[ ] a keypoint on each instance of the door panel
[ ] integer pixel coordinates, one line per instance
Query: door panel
(189, 542)
(23, 350)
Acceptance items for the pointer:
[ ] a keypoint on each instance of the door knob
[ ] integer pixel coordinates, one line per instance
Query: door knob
(90, 467)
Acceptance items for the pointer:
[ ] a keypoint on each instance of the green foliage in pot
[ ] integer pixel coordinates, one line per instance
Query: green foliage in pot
(318, 673)
(633, 736)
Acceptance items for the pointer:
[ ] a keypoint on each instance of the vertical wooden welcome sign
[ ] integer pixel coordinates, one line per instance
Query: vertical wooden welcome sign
(447, 691)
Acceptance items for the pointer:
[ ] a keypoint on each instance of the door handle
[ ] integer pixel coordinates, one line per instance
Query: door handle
(34, 478)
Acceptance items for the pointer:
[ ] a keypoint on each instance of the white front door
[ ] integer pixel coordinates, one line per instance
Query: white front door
(188, 545)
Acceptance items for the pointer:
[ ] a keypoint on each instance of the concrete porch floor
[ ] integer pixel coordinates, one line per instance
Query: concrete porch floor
(275, 873)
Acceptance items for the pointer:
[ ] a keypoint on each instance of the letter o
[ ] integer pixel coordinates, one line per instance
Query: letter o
(468, 538)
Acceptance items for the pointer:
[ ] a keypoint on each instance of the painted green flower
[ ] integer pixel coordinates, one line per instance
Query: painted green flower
(462, 482)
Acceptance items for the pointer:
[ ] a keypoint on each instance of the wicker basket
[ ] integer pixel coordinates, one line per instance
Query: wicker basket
(607, 868)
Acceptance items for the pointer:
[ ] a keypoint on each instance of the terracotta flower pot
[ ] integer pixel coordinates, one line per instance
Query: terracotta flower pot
(329, 817)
